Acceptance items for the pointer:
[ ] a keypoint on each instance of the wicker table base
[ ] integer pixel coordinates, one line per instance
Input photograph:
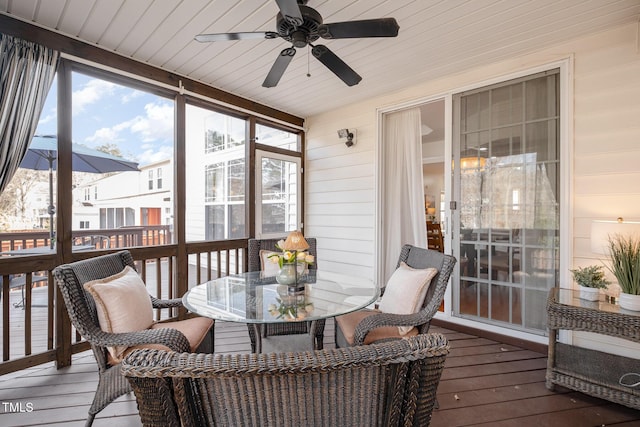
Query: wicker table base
(592, 372)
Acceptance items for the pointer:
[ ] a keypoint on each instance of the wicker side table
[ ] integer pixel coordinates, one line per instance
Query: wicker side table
(592, 372)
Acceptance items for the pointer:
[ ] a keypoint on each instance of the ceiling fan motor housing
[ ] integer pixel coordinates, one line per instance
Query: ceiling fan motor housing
(303, 34)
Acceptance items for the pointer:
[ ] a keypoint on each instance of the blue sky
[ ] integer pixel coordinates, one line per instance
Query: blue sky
(139, 123)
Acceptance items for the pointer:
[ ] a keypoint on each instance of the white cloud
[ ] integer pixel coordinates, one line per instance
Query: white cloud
(157, 125)
(105, 135)
(142, 132)
(127, 97)
(48, 118)
(155, 154)
(92, 92)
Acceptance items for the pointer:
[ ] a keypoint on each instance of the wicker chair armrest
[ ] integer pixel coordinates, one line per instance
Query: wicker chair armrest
(169, 337)
(150, 363)
(165, 303)
(379, 320)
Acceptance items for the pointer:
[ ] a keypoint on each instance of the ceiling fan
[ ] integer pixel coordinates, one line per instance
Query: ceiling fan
(301, 25)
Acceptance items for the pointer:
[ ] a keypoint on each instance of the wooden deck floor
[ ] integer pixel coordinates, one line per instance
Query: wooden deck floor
(485, 383)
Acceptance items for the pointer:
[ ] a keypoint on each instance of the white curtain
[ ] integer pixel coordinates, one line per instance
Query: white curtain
(403, 219)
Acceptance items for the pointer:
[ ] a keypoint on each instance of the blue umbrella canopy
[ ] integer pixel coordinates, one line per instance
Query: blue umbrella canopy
(43, 153)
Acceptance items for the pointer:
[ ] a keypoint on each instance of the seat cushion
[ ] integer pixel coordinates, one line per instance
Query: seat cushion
(405, 291)
(122, 304)
(348, 322)
(194, 329)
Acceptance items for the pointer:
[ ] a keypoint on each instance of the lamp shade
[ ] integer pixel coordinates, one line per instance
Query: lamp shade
(295, 242)
(602, 231)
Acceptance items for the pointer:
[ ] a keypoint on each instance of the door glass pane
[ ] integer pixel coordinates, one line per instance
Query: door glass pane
(279, 194)
(507, 173)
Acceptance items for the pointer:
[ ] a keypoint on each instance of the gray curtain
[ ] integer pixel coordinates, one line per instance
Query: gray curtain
(26, 72)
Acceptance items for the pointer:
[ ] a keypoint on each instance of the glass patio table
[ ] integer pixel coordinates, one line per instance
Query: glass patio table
(256, 299)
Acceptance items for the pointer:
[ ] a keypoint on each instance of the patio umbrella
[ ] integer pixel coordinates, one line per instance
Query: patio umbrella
(43, 155)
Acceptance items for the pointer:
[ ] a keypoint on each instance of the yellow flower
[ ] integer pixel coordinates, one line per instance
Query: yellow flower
(309, 259)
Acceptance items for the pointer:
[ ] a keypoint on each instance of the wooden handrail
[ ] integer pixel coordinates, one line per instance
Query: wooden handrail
(157, 265)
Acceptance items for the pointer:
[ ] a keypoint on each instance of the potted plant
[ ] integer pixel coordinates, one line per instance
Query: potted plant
(625, 266)
(591, 279)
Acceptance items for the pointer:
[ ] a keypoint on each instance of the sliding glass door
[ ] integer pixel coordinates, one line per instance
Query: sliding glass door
(506, 211)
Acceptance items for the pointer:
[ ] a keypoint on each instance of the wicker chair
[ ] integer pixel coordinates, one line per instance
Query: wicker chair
(82, 311)
(384, 325)
(289, 328)
(387, 384)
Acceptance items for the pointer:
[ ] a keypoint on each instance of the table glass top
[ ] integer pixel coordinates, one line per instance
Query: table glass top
(253, 298)
(572, 298)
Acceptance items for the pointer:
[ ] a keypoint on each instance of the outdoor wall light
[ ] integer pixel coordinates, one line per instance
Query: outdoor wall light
(350, 135)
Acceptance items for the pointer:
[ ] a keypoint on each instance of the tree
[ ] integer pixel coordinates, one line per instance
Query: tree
(110, 148)
(15, 200)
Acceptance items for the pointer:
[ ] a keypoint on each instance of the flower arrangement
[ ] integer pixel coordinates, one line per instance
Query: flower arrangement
(590, 277)
(291, 311)
(290, 256)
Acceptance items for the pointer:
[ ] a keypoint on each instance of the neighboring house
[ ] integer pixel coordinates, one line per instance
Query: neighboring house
(35, 204)
(126, 198)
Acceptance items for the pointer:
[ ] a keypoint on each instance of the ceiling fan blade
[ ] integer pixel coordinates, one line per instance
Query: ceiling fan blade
(290, 11)
(335, 64)
(278, 68)
(383, 27)
(223, 37)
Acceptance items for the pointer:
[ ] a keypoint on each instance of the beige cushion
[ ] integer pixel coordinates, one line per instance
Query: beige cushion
(267, 265)
(405, 291)
(195, 329)
(348, 322)
(122, 303)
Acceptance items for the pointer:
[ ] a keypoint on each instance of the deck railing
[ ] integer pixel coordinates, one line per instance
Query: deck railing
(31, 307)
(122, 237)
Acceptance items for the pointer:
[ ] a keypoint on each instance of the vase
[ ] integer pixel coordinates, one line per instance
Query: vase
(589, 294)
(629, 302)
(287, 275)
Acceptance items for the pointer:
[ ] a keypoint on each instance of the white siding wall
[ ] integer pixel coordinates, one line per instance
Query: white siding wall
(339, 191)
(606, 149)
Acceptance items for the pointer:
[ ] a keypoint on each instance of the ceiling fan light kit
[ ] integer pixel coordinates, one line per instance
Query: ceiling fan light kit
(301, 26)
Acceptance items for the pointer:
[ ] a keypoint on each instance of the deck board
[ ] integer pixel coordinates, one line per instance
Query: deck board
(485, 383)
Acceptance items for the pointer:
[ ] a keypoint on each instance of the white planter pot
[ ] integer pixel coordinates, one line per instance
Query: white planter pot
(589, 294)
(629, 302)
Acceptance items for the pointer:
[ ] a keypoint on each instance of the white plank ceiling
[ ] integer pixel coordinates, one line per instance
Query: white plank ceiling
(436, 38)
